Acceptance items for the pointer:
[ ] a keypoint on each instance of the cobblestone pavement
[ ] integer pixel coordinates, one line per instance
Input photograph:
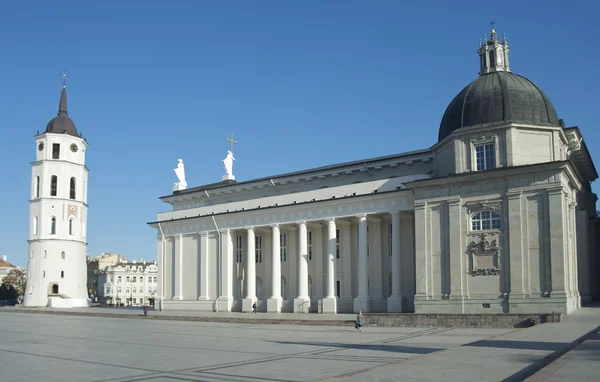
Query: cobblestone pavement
(47, 347)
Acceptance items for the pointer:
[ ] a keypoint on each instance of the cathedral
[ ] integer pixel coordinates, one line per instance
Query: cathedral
(496, 216)
(56, 265)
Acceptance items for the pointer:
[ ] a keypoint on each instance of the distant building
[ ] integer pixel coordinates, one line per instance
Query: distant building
(5, 267)
(113, 280)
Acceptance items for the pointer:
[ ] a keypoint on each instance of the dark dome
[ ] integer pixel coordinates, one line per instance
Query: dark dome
(498, 97)
(62, 124)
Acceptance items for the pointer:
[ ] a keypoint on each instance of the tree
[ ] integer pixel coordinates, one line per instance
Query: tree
(16, 279)
(8, 292)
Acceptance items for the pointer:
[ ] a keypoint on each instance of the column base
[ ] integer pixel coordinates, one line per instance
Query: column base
(177, 298)
(247, 304)
(362, 304)
(395, 304)
(274, 305)
(329, 305)
(224, 304)
(204, 298)
(301, 305)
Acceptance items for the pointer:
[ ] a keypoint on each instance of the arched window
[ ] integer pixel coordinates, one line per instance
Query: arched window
(485, 220)
(55, 288)
(37, 186)
(71, 227)
(62, 255)
(52, 225)
(72, 188)
(492, 59)
(35, 225)
(62, 274)
(53, 185)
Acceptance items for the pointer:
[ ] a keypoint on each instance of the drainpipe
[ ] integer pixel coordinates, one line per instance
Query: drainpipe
(219, 259)
(162, 268)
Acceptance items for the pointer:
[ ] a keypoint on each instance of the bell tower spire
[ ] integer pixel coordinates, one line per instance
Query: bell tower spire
(493, 53)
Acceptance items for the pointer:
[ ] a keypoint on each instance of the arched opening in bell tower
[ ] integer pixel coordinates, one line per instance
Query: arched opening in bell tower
(54, 288)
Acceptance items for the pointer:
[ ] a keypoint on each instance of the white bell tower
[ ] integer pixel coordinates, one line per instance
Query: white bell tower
(57, 268)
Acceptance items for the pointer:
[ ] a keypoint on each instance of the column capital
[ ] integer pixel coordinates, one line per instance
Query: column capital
(276, 225)
(361, 217)
(224, 231)
(251, 228)
(301, 223)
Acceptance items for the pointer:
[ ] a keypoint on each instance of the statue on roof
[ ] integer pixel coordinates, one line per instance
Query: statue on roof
(228, 164)
(180, 172)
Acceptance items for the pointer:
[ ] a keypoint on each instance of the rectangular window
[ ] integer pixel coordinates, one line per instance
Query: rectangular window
(309, 244)
(56, 151)
(134, 279)
(239, 249)
(338, 287)
(390, 239)
(367, 241)
(258, 248)
(127, 290)
(141, 279)
(119, 290)
(119, 280)
(337, 243)
(283, 247)
(134, 290)
(127, 279)
(43, 274)
(37, 186)
(155, 279)
(485, 157)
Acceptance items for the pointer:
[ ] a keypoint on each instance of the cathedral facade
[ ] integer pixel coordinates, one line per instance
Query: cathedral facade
(497, 216)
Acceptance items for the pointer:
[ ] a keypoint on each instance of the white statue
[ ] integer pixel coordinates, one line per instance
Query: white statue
(228, 164)
(180, 172)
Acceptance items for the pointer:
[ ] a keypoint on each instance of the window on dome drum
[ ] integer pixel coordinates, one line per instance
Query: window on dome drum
(72, 188)
(35, 225)
(62, 274)
(239, 249)
(56, 151)
(70, 226)
(53, 185)
(53, 226)
(492, 59)
(309, 244)
(258, 249)
(337, 243)
(37, 186)
(283, 247)
(62, 255)
(485, 220)
(484, 157)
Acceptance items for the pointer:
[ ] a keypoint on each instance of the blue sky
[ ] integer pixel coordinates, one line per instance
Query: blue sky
(300, 84)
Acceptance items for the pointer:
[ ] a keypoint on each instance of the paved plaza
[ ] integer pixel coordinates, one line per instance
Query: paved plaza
(51, 347)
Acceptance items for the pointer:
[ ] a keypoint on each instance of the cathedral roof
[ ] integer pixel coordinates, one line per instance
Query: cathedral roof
(62, 124)
(497, 96)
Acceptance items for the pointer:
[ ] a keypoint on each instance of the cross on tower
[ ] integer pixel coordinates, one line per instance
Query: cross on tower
(492, 23)
(64, 76)
(231, 142)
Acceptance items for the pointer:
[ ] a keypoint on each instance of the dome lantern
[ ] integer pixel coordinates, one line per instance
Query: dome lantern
(493, 54)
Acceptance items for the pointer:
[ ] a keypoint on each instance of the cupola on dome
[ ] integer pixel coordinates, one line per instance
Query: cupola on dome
(62, 124)
(497, 96)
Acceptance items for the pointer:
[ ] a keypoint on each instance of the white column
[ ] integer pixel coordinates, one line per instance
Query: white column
(203, 271)
(302, 302)
(274, 303)
(395, 300)
(225, 300)
(250, 273)
(362, 302)
(178, 269)
(329, 304)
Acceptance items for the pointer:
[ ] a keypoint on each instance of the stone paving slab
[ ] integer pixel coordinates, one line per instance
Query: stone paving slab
(61, 347)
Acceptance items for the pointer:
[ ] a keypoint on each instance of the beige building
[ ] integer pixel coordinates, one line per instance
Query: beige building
(497, 216)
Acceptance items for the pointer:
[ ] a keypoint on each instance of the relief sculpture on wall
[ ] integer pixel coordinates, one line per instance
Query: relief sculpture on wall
(484, 257)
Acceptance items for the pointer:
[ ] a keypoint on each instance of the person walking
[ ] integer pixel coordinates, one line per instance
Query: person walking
(359, 321)
(254, 308)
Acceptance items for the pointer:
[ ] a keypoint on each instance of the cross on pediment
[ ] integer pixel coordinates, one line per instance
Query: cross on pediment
(231, 142)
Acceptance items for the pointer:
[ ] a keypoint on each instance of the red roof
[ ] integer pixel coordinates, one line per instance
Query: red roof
(5, 264)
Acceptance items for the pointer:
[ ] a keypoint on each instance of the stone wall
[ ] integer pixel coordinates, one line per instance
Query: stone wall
(459, 320)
